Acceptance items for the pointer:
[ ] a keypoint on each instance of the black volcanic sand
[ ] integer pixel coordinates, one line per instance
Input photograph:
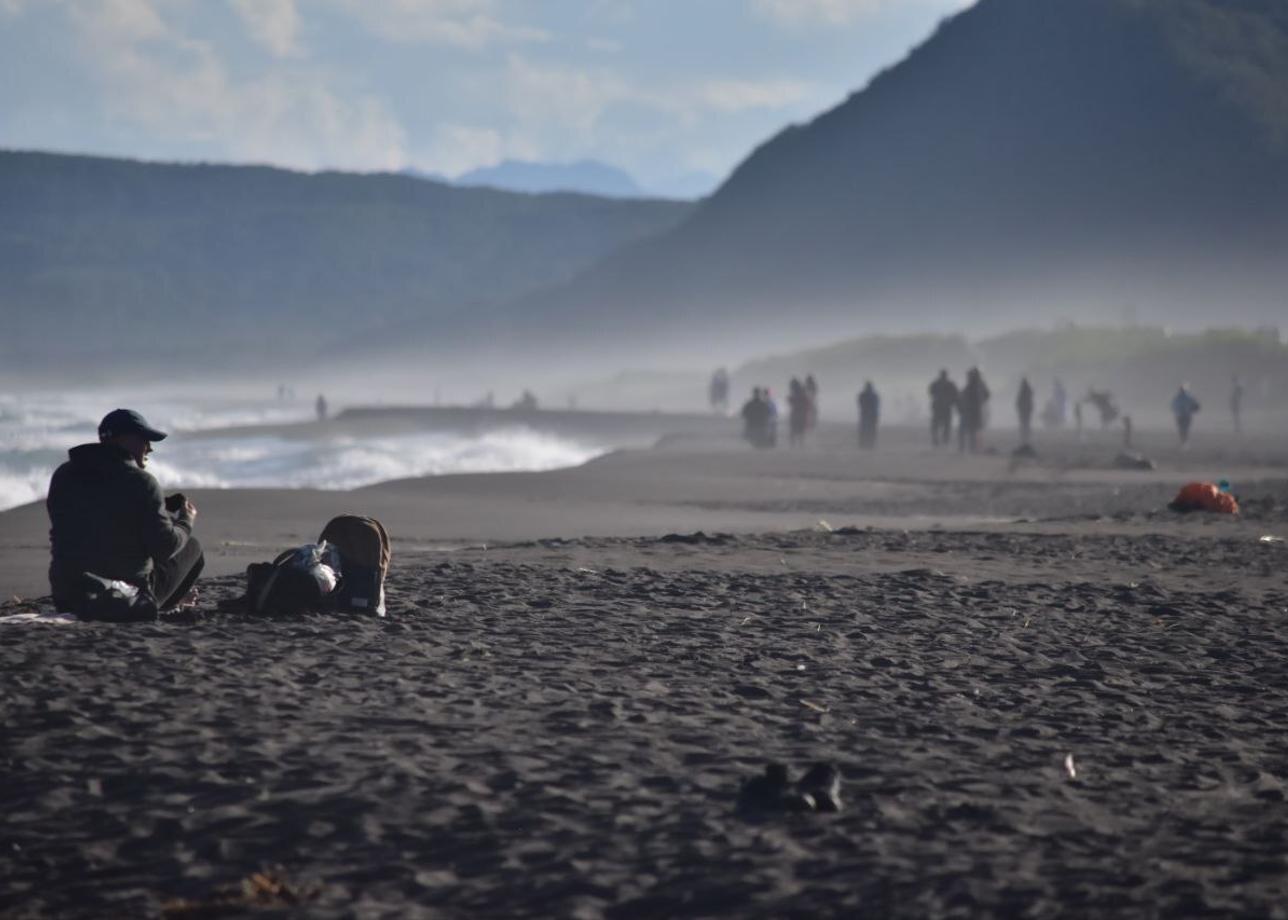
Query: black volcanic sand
(560, 728)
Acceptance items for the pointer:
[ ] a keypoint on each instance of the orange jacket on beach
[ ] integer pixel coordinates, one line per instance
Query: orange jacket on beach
(1204, 496)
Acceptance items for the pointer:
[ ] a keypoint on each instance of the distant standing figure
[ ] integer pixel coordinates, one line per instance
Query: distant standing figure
(1077, 419)
(1184, 407)
(943, 398)
(811, 390)
(718, 391)
(869, 415)
(1103, 400)
(1236, 403)
(1054, 412)
(1024, 408)
(321, 407)
(797, 412)
(970, 409)
(771, 426)
(755, 419)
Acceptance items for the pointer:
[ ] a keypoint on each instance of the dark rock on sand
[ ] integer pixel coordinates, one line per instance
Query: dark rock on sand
(773, 792)
(822, 783)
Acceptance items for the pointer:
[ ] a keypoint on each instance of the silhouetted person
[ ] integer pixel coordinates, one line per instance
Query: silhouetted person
(771, 426)
(1054, 411)
(869, 415)
(1184, 408)
(718, 391)
(1077, 419)
(1024, 409)
(108, 518)
(321, 407)
(527, 402)
(798, 411)
(970, 409)
(758, 420)
(1236, 404)
(943, 399)
(811, 390)
(1103, 400)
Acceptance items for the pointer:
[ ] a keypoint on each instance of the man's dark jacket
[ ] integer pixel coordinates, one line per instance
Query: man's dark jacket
(108, 516)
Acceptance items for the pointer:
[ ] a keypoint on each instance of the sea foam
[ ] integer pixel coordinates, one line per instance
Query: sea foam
(36, 432)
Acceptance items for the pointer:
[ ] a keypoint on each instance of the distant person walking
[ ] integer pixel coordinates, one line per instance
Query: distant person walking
(771, 427)
(1024, 409)
(756, 419)
(943, 399)
(1053, 413)
(321, 408)
(811, 390)
(970, 409)
(869, 415)
(1236, 403)
(1184, 408)
(1103, 400)
(798, 412)
(718, 391)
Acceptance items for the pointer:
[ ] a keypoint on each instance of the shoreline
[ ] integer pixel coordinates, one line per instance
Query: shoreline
(690, 485)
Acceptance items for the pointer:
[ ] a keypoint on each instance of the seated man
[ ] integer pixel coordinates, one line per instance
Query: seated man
(107, 517)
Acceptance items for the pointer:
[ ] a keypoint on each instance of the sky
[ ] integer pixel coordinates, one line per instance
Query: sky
(675, 92)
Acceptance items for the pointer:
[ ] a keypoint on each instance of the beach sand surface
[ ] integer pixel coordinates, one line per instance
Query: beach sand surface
(1047, 695)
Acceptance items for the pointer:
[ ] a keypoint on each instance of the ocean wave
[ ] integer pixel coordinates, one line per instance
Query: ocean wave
(336, 463)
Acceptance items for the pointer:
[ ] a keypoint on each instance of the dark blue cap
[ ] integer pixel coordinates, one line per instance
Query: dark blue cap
(127, 421)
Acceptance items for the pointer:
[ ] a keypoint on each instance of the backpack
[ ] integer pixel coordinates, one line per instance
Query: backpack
(297, 581)
(363, 545)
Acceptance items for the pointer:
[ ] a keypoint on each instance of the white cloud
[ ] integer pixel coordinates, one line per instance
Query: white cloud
(158, 79)
(554, 112)
(461, 23)
(835, 12)
(745, 95)
(120, 20)
(459, 148)
(274, 24)
(574, 100)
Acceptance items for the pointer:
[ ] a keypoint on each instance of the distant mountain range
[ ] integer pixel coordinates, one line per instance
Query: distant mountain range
(589, 177)
(1034, 159)
(110, 262)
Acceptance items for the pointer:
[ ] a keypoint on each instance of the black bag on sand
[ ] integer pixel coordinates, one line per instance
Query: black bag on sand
(364, 561)
(110, 601)
(285, 585)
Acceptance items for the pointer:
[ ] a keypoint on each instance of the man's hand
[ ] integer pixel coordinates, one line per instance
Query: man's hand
(179, 505)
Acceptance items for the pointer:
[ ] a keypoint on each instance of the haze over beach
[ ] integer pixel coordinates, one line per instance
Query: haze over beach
(834, 455)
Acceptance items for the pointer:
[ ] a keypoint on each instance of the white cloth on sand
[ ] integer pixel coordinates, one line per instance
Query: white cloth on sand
(43, 615)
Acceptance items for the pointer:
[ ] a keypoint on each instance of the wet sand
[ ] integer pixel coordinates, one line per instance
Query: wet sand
(1048, 696)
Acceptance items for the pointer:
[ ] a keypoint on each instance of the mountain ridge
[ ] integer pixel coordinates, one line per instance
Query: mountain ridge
(1092, 155)
(587, 177)
(95, 250)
